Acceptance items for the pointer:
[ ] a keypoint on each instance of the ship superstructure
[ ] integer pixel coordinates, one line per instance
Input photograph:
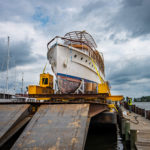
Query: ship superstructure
(76, 62)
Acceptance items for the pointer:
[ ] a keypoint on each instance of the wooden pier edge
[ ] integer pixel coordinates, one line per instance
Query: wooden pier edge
(135, 134)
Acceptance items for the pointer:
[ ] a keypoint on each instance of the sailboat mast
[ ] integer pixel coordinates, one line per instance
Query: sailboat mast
(7, 66)
(22, 85)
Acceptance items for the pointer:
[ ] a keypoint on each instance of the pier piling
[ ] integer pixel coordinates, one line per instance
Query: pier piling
(127, 130)
(133, 139)
(123, 127)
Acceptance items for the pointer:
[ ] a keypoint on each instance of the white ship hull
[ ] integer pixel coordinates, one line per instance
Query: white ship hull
(71, 66)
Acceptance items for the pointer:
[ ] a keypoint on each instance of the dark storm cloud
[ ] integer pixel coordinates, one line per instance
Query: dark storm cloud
(97, 14)
(130, 16)
(130, 77)
(128, 70)
(20, 54)
(92, 7)
(133, 17)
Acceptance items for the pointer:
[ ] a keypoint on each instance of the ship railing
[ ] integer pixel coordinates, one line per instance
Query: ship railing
(70, 42)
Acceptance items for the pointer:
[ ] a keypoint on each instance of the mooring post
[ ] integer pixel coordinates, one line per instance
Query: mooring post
(133, 139)
(143, 112)
(127, 129)
(133, 108)
(147, 114)
(136, 110)
(123, 127)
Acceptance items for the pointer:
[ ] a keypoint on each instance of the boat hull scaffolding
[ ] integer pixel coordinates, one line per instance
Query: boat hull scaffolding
(73, 67)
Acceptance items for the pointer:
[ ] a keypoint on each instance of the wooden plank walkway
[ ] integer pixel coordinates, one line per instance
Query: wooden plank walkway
(143, 129)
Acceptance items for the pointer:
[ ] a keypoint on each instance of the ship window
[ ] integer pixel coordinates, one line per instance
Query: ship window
(81, 58)
(75, 56)
(86, 61)
(44, 81)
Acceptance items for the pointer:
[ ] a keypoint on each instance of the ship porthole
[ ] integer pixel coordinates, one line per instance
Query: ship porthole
(86, 61)
(75, 56)
(81, 58)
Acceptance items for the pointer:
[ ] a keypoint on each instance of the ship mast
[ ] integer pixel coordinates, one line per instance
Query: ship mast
(7, 66)
(22, 90)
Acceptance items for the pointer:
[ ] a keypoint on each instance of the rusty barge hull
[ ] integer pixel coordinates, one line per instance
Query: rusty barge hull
(56, 127)
(47, 125)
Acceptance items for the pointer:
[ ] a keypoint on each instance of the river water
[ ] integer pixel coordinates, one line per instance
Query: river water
(143, 105)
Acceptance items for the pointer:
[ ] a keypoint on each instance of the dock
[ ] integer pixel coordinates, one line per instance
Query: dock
(136, 129)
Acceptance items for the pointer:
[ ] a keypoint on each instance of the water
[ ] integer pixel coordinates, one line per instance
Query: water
(104, 138)
(143, 105)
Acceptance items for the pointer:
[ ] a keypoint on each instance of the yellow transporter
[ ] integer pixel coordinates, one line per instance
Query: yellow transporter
(110, 116)
(45, 87)
(104, 88)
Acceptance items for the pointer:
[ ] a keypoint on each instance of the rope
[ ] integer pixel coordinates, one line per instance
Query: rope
(135, 117)
(102, 81)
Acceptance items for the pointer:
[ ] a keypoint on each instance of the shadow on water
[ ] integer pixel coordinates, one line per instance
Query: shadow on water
(103, 137)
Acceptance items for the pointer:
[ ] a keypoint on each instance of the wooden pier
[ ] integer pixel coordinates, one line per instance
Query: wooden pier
(135, 129)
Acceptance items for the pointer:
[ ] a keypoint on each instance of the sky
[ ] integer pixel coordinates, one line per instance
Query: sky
(121, 29)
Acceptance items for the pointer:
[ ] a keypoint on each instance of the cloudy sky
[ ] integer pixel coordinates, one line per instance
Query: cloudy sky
(121, 29)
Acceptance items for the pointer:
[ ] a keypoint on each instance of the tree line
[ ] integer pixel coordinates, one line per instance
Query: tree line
(142, 99)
